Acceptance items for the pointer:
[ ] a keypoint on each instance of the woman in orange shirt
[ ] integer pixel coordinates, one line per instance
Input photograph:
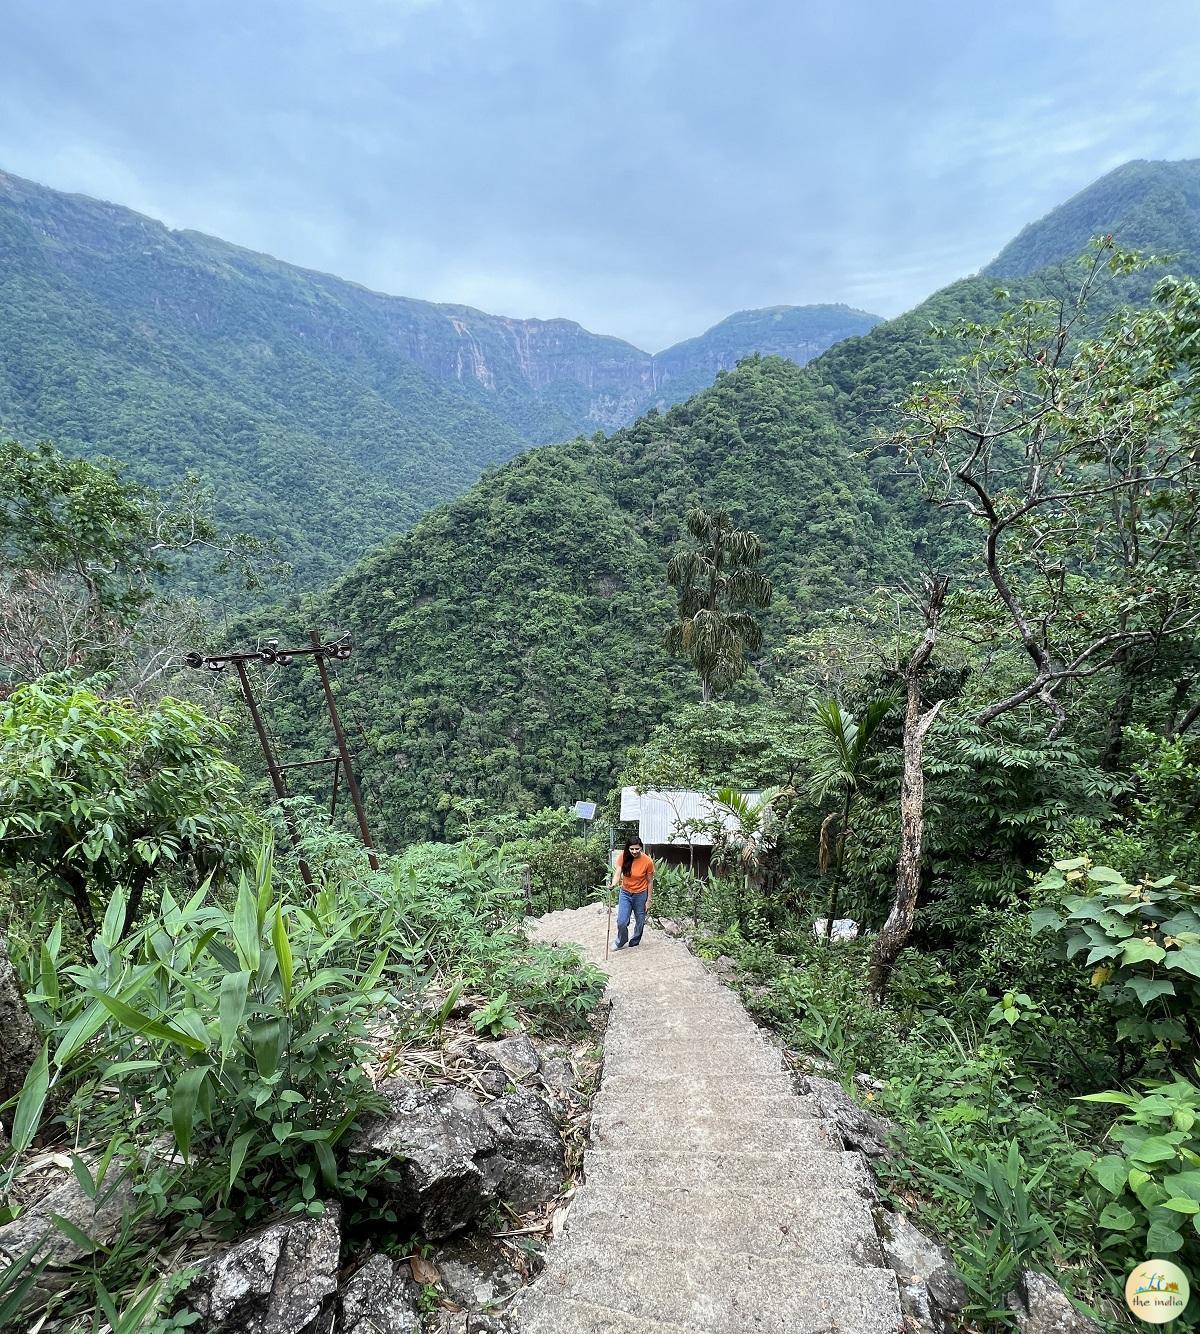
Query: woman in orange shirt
(634, 872)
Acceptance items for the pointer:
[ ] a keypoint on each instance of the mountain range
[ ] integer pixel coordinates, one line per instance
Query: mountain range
(325, 415)
(510, 645)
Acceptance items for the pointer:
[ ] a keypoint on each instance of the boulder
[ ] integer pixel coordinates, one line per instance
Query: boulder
(844, 928)
(280, 1280)
(443, 1154)
(530, 1149)
(724, 966)
(859, 1128)
(931, 1290)
(558, 1075)
(1039, 1306)
(516, 1056)
(475, 1275)
(100, 1219)
(378, 1299)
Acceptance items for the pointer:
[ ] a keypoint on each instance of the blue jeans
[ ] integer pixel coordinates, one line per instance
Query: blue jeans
(630, 903)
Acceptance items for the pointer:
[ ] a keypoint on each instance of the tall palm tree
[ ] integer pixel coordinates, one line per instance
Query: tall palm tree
(717, 582)
(754, 834)
(844, 742)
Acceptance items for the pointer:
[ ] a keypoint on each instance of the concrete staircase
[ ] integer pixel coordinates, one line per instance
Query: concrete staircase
(714, 1202)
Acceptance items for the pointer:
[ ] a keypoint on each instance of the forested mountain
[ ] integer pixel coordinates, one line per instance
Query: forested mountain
(1152, 206)
(511, 643)
(323, 414)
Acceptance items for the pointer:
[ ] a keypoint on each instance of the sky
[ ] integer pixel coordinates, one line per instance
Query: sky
(645, 167)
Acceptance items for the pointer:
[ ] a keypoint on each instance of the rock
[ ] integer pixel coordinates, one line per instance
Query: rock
(844, 928)
(100, 1219)
(866, 1082)
(1039, 1306)
(378, 1299)
(19, 1043)
(277, 1281)
(671, 927)
(558, 1075)
(724, 966)
(859, 1128)
(443, 1155)
(467, 1322)
(930, 1287)
(516, 1056)
(530, 1148)
(475, 1275)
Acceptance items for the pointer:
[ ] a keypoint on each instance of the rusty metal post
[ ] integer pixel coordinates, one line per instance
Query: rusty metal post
(343, 750)
(272, 768)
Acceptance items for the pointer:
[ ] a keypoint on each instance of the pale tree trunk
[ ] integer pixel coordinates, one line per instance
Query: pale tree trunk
(18, 1035)
(898, 927)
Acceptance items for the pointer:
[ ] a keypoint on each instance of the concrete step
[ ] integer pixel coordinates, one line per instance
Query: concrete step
(722, 1291)
(812, 1169)
(725, 1105)
(699, 1083)
(717, 1135)
(833, 1227)
(637, 1054)
(535, 1311)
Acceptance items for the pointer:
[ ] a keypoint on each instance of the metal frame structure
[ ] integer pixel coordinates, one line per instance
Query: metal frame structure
(272, 655)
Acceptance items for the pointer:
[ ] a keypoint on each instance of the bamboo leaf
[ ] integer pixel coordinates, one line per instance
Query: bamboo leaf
(184, 1097)
(152, 1028)
(31, 1100)
(234, 987)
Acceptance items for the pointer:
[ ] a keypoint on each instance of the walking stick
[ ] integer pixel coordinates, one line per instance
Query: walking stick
(608, 930)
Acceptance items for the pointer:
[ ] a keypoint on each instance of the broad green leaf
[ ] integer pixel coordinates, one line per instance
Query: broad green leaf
(1105, 875)
(1110, 1172)
(31, 1100)
(283, 953)
(184, 1097)
(1139, 951)
(80, 1033)
(1156, 1149)
(327, 1163)
(1181, 1204)
(245, 926)
(266, 1041)
(1186, 958)
(1123, 1099)
(1116, 1218)
(1162, 1239)
(142, 1023)
(237, 1156)
(1044, 918)
(234, 987)
(1147, 989)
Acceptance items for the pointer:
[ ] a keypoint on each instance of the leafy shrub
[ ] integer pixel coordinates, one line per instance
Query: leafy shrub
(239, 1033)
(1153, 1182)
(1143, 942)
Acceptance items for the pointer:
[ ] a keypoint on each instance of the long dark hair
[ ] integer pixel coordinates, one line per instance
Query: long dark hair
(627, 855)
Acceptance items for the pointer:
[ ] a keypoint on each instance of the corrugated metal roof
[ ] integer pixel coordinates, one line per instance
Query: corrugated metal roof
(661, 813)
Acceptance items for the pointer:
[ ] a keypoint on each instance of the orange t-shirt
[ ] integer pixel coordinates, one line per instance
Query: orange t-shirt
(638, 879)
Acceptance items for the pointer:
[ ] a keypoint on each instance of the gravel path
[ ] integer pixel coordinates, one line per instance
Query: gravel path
(715, 1202)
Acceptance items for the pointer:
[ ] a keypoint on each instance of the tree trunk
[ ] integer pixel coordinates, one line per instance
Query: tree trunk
(898, 927)
(839, 852)
(18, 1034)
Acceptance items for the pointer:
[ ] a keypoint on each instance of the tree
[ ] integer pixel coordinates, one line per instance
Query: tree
(753, 836)
(843, 745)
(83, 554)
(97, 793)
(1078, 459)
(716, 583)
(917, 722)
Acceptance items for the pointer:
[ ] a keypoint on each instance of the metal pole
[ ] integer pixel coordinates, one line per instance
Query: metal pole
(272, 768)
(344, 751)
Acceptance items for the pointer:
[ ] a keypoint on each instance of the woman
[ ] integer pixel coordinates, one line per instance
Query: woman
(634, 872)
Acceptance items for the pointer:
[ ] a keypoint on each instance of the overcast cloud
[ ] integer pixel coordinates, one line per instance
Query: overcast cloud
(645, 168)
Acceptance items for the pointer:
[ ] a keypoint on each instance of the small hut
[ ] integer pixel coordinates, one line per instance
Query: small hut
(676, 826)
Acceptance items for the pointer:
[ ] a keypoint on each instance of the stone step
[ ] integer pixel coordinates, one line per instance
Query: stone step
(833, 1227)
(722, 1291)
(628, 1103)
(636, 1055)
(536, 1312)
(700, 1083)
(810, 1169)
(717, 1135)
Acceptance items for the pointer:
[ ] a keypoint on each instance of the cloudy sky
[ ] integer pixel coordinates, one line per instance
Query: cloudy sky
(643, 166)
